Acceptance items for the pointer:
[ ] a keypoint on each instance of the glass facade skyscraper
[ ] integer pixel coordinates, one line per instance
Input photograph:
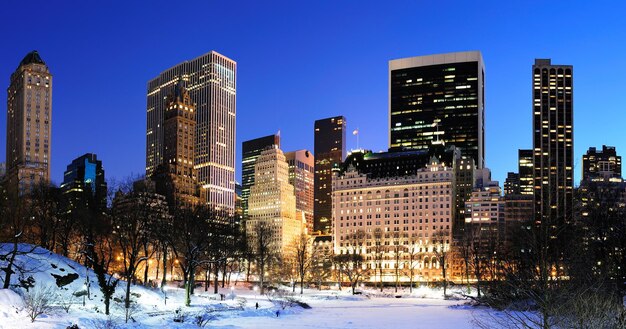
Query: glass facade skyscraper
(438, 99)
(85, 172)
(330, 151)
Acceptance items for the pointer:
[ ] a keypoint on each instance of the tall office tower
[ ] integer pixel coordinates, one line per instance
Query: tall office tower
(84, 183)
(603, 164)
(526, 172)
(330, 151)
(272, 201)
(438, 99)
(553, 141)
(176, 177)
(29, 113)
(511, 184)
(250, 151)
(211, 82)
(302, 176)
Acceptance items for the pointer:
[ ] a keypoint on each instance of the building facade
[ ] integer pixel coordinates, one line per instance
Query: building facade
(438, 99)
(553, 141)
(302, 177)
(211, 80)
(330, 151)
(29, 123)
(395, 222)
(176, 177)
(272, 202)
(602, 164)
(250, 151)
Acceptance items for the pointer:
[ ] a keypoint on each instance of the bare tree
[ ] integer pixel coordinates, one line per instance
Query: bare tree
(303, 257)
(39, 301)
(413, 252)
(350, 263)
(378, 252)
(441, 247)
(15, 222)
(133, 215)
(260, 238)
(398, 250)
(191, 242)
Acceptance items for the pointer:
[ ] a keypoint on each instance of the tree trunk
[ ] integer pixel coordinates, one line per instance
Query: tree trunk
(127, 301)
(206, 280)
(187, 289)
(8, 270)
(216, 282)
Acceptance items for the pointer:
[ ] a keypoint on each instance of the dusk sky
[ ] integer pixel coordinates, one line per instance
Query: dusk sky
(301, 61)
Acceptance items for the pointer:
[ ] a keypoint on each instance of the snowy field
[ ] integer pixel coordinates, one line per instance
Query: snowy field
(328, 309)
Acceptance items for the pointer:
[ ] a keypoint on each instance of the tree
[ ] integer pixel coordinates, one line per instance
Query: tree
(303, 258)
(378, 252)
(39, 301)
(261, 241)
(190, 243)
(398, 249)
(441, 248)
(15, 221)
(133, 215)
(412, 251)
(44, 213)
(350, 263)
(101, 255)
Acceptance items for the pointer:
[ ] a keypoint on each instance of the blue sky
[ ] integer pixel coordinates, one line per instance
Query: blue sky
(300, 61)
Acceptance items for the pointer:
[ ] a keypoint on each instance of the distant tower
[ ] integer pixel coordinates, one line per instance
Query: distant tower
(553, 141)
(250, 151)
(272, 200)
(29, 113)
(526, 172)
(511, 184)
(603, 164)
(438, 99)
(176, 177)
(302, 176)
(330, 151)
(211, 82)
(84, 181)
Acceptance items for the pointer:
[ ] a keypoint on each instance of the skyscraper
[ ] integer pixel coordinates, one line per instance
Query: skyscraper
(438, 99)
(211, 82)
(330, 151)
(176, 177)
(553, 141)
(29, 113)
(250, 151)
(526, 172)
(84, 181)
(302, 177)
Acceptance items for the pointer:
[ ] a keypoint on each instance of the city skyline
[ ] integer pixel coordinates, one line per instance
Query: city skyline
(83, 110)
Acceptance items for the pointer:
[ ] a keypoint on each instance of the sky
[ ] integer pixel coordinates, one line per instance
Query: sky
(299, 61)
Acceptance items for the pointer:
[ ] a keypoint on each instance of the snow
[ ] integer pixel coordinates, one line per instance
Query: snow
(424, 308)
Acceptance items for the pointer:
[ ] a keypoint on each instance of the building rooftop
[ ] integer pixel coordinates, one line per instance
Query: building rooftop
(32, 58)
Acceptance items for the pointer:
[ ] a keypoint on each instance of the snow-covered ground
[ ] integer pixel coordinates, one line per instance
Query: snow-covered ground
(329, 309)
